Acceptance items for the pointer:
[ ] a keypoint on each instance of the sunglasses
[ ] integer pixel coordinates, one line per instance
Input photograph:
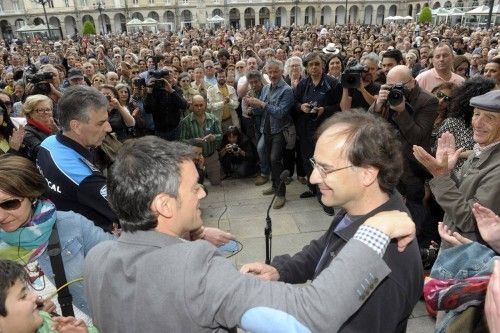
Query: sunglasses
(441, 95)
(11, 204)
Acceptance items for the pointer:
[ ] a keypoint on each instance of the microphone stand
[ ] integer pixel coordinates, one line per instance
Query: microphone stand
(268, 230)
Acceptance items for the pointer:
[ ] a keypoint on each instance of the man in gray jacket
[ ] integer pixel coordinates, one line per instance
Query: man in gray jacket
(151, 280)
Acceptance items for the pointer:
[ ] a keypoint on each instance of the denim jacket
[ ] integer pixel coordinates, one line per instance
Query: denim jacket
(77, 236)
(460, 262)
(279, 104)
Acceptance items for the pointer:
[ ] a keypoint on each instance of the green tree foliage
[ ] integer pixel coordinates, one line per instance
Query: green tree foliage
(425, 15)
(88, 28)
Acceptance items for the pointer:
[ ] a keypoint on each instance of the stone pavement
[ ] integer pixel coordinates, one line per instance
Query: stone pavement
(243, 209)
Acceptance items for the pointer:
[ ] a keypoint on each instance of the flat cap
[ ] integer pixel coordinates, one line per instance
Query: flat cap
(488, 102)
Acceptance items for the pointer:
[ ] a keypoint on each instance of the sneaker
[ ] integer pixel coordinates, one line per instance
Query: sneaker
(302, 180)
(261, 180)
(268, 191)
(279, 202)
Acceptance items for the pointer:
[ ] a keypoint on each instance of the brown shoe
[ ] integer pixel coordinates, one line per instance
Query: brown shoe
(261, 180)
(268, 191)
(279, 202)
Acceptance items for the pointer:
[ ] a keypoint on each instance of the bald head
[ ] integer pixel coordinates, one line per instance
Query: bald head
(399, 73)
(198, 105)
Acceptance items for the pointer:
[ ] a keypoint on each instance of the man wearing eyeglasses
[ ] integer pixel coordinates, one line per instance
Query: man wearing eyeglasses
(414, 119)
(357, 164)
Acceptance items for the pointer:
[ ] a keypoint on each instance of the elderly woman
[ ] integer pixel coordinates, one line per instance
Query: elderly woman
(335, 66)
(38, 110)
(293, 71)
(98, 80)
(27, 221)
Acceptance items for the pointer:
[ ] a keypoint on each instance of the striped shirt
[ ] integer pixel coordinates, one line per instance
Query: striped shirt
(191, 129)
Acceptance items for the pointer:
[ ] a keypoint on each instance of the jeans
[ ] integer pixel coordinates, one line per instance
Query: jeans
(275, 147)
(265, 168)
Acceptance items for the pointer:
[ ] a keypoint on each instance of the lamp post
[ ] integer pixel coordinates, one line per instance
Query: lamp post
(44, 3)
(100, 6)
(345, 19)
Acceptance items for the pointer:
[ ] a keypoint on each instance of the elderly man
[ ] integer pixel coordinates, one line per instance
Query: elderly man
(178, 286)
(442, 60)
(413, 116)
(479, 177)
(276, 101)
(65, 159)
(112, 78)
(357, 163)
(206, 127)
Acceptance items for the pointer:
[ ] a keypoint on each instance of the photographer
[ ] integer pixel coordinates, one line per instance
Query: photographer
(165, 104)
(412, 110)
(238, 154)
(364, 93)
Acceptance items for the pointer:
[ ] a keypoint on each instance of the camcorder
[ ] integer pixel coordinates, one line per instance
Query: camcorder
(40, 82)
(140, 82)
(158, 76)
(396, 94)
(351, 77)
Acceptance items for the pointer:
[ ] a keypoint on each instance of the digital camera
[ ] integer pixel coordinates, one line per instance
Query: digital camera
(351, 78)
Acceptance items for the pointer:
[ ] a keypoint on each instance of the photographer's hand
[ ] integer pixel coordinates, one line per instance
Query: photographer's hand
(305, 107)
(382, 98)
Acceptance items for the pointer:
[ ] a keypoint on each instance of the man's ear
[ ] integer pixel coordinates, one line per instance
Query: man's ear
(75, 126)
(370, 175)
(163, 205)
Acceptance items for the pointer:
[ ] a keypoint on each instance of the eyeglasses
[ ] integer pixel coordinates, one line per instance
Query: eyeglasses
(443, 96)
(322, 172)
(48, 110)
(11, 204)
(102, 81)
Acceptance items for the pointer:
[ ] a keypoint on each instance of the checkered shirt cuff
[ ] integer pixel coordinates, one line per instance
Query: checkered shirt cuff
(373, 238)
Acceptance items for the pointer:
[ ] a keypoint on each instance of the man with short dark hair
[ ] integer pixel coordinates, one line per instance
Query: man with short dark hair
(179, 286)
(66, 159)
(357, 164)
(391, 58)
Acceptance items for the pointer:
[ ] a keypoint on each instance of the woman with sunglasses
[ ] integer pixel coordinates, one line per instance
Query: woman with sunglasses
(459, 115)
(27, 220)
(98, 80)
(10, 138)
(38, 110)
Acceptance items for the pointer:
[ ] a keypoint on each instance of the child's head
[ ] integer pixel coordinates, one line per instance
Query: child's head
(18, 308)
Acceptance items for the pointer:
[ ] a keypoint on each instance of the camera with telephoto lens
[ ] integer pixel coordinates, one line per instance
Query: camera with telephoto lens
(351, 78)
(396, 94)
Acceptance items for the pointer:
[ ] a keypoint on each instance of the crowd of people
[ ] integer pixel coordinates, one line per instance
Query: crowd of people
(107, 142)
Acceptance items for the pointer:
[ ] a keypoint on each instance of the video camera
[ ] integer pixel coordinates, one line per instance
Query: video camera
(158, 76)
(351, 78)
(40, 81)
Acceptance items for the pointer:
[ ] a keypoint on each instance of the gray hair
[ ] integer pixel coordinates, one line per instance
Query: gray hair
(274, 62)
(372, 56)
(143, 169)
(289, 62)
(255, 74)
(77, 103)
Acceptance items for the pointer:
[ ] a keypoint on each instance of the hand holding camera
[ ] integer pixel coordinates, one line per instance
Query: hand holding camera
(391, 96)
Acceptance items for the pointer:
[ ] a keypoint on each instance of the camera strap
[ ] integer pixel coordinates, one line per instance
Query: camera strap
(54, 251)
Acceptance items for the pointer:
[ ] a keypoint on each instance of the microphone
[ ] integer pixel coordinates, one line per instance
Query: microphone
(268, 229)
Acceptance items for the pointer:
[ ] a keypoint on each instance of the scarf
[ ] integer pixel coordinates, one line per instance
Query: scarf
(38, 125)
(31, 239)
